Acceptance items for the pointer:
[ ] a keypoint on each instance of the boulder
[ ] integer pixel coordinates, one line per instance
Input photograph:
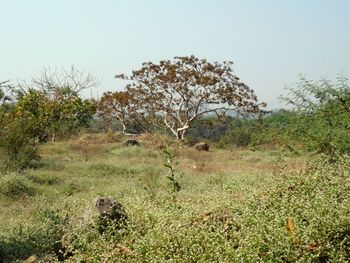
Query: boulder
(131, 142)
(111, 214)
(31, 259)
(202, 146)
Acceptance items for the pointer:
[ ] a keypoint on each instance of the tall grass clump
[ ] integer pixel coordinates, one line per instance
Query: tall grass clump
(150, 180)
(14, 185)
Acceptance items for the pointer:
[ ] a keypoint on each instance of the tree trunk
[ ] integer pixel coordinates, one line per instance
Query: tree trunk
(183, 134)
(178, 132)
(180, 135)
(124, 127)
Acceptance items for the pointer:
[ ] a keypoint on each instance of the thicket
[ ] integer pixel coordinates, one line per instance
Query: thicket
(28, 122)
(17, 142)
(319, 120)
(31, 113)
(324, 114)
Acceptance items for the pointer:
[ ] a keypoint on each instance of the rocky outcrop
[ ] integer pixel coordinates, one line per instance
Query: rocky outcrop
(112, 215)
(131, 142)
(202, 146)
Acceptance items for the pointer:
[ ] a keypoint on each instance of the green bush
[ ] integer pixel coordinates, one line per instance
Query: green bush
(324, 114)
(13, 185)
(240, 133)
(18, 143)
(277, 128)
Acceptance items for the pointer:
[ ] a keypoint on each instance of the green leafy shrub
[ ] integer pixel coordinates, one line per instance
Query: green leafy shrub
(13, 185)
(240, 133)
(18, 142)
(324, 114)
(276, 128)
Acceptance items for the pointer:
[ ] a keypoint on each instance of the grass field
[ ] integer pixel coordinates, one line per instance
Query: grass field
(238, 205)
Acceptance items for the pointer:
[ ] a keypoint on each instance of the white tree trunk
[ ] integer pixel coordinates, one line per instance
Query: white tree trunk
(124, 127)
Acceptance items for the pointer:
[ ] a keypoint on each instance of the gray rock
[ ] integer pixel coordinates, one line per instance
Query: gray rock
(131, 142)
(112, 215)
(202, 146)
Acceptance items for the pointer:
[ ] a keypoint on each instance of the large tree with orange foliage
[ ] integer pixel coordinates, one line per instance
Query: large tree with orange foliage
(185, 89)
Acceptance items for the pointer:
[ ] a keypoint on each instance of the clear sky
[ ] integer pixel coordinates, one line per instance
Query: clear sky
(270, 41)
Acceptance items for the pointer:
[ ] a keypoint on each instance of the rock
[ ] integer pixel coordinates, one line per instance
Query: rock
(104, 204)
(131, 142)
(202, 146)
(222, 219)
(31, 259)
(199, 166)
(111, 214)
(48, 258)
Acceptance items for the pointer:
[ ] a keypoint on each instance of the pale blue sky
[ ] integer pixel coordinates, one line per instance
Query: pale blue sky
(270, 41)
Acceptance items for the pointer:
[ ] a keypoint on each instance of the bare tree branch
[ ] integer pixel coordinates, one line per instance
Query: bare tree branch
(51, 80)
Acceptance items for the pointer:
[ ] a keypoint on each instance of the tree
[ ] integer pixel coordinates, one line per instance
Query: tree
(16, 134)
(67, 111)
(115, 105)
(53, 100)
(52, 81)
(47, 105)
(128, 110)
(17, 141)
(188, 88)
(324, 114)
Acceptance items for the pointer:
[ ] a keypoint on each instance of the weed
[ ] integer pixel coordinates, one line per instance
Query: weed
(173, 176)
(150, 180)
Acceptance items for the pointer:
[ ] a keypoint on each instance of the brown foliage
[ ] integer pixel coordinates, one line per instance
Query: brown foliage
(187, 88)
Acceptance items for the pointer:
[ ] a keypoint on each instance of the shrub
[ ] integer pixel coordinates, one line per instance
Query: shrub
(13, 185)
(324, 114)
(240, 133)
(277, 128)
(17, 141)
